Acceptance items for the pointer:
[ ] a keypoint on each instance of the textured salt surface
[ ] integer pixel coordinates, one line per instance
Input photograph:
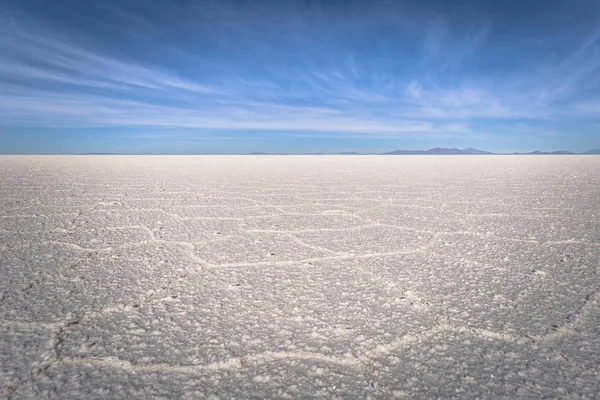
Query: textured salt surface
(335, 277)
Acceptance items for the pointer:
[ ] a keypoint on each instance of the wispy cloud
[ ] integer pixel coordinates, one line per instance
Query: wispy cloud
(432, 79)
(126, 93)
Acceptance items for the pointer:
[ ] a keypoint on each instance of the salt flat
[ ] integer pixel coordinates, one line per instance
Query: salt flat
(299, 276)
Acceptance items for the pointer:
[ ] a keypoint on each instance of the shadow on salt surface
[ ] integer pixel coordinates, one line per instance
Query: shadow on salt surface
(228, 313)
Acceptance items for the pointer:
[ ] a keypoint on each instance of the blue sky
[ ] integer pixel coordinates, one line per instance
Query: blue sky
(167, 76)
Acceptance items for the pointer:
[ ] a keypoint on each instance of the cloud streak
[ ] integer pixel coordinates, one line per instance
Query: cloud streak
(429, 79)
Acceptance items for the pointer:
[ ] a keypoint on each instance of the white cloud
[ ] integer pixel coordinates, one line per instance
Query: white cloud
(47, 78)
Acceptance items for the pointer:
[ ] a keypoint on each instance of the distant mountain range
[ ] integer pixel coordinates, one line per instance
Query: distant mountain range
(260, 153)
(545, 153)
(595, 151)
(435, 151)
(469, 151)
(472, 151)
(439, 151)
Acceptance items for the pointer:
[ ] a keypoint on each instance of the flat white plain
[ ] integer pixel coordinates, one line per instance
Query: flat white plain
(299, 276)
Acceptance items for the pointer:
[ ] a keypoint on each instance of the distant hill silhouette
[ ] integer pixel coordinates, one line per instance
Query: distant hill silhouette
(97, 154)
(259, 153)
(440, 151)
(595, 151)
(448, 151)
(547, 153)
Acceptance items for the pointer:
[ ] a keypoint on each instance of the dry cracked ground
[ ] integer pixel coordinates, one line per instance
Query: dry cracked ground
(293, 277)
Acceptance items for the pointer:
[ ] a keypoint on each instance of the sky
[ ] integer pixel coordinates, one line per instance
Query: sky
(291, 76)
